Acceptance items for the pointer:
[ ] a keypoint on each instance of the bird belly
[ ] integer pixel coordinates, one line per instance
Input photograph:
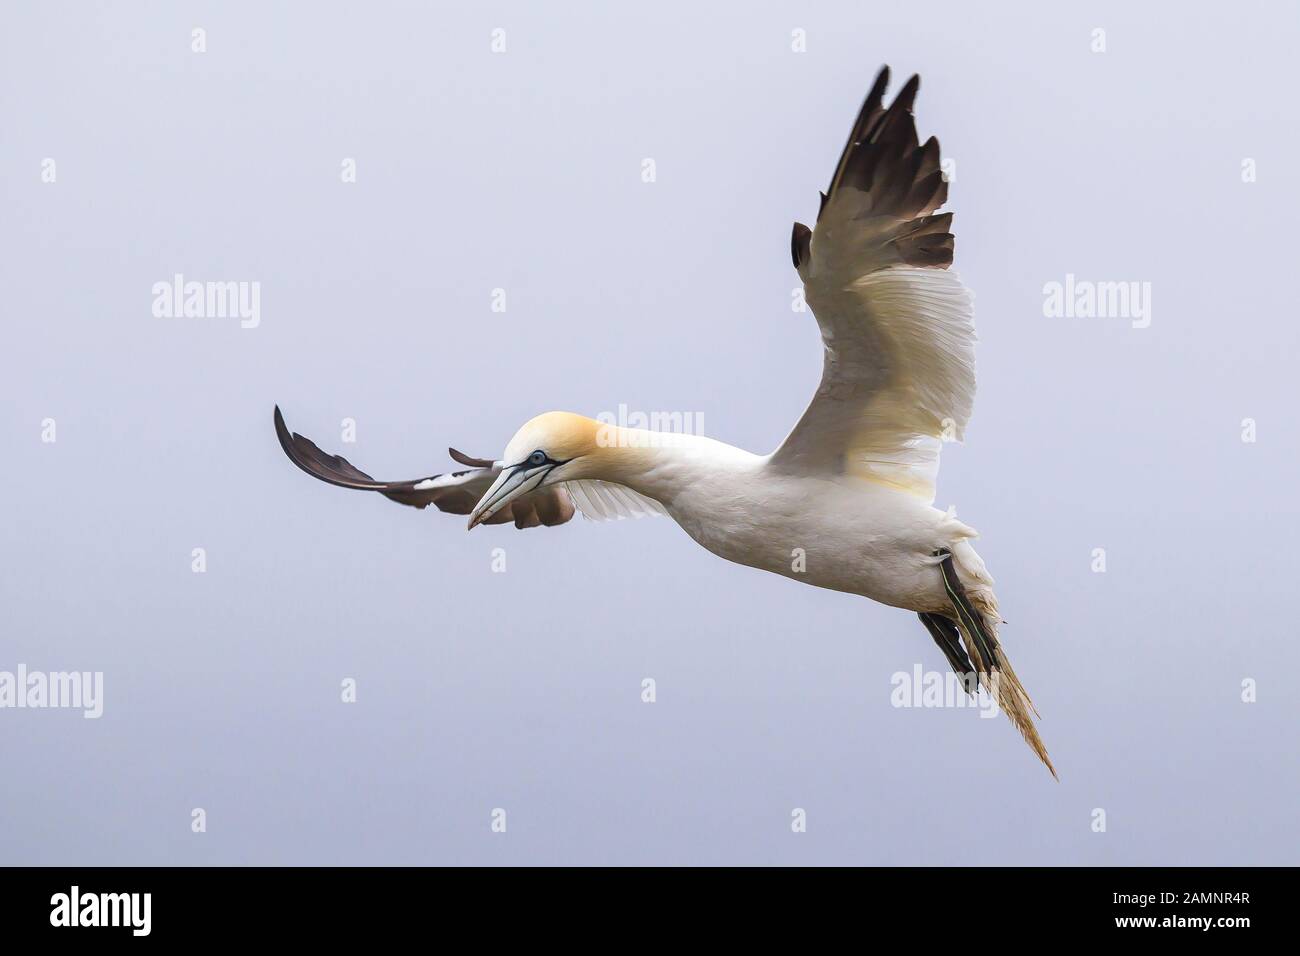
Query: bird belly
(879, 544)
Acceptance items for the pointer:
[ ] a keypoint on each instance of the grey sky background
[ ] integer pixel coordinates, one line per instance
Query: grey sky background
(521, 690)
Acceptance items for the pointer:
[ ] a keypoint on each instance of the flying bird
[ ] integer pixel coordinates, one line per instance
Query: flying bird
(853, 484)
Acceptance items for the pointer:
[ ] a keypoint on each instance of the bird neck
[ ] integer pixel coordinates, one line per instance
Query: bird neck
(659, 465)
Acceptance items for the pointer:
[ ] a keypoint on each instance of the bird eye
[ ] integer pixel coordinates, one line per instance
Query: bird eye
(537, 458)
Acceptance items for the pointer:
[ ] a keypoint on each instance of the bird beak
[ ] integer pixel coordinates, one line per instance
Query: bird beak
(510, 484)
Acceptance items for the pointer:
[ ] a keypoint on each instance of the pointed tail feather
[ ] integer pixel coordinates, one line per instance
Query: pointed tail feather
(978, 626)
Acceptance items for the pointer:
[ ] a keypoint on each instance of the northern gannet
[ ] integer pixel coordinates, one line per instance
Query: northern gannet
(851, 489)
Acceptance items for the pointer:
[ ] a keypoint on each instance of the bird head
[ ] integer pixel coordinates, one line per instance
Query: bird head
(554, 447)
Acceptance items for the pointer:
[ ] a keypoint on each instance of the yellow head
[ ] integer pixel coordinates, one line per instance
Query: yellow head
(556, 446)
(561, 436)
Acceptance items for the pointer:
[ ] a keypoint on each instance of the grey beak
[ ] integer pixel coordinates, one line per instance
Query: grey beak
(511, 483)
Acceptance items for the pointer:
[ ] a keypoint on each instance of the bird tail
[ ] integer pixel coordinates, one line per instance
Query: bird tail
(975, 617)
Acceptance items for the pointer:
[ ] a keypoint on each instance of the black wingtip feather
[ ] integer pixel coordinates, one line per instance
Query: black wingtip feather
(906, 98)
(286, 439)
(470, 460)
(800, 239)
(901, 178)
(880, 85)
(873, 106)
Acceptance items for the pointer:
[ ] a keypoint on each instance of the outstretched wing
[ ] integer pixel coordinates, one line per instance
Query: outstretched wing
(899, 371)
(456, 492)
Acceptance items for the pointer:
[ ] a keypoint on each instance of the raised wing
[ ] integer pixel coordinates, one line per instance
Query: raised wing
(899, 368)
(456, 492)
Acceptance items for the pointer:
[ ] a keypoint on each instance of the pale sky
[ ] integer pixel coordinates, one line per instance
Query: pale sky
(522, 171)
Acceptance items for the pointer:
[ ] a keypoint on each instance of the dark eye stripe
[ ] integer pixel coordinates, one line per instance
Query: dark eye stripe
(539, 458)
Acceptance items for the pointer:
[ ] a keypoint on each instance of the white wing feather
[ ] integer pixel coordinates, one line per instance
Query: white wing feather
(899, 379)
(899, 366)
(607, 501)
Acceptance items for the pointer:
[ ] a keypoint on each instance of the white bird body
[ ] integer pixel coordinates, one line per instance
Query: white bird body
(841, 532)
(846, 502)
